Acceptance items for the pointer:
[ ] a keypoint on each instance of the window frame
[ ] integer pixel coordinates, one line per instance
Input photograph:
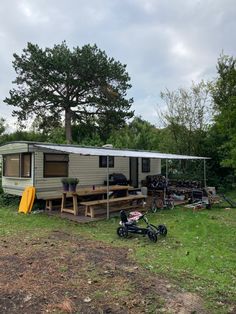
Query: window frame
(144, 169)
(103, 164)
(20, 169)
(54, 161)
(21, 165)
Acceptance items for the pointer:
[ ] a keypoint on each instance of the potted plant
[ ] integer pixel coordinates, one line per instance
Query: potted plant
(72, 184)
(65, 184)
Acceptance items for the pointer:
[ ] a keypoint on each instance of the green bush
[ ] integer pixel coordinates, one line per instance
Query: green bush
(1, 190)
(9, 200)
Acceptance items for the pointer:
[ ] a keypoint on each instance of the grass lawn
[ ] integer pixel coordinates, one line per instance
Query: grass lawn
(199, 252)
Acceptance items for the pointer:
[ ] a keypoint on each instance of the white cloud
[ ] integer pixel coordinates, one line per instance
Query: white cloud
(25, 9)
(180, 50)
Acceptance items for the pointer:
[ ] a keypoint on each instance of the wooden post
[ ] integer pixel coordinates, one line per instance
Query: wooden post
(75, 204)
(63, 201)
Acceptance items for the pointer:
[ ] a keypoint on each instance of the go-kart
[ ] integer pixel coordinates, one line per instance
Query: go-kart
(129, 225)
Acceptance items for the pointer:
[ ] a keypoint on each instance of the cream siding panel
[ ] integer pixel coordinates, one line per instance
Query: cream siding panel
(15, 186)
(155, 168)
(14, 148)
(45, 187)
(86, 169)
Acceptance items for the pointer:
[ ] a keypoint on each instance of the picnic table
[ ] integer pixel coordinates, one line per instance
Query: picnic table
(100, 191)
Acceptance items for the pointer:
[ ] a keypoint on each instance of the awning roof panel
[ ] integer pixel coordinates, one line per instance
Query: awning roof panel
(95, 151)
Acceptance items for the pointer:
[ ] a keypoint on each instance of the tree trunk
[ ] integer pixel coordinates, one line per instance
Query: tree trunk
(68, 126)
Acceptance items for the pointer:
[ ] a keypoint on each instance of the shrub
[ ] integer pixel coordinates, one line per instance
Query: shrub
(9, 200)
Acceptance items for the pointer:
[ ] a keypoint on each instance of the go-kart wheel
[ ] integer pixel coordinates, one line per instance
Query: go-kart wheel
(152, 236)
(162, 230)
(122, 232)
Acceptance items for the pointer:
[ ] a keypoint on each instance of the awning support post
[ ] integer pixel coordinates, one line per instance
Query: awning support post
(166, 169)
(166, 178)
(108, 210)
(204, 164)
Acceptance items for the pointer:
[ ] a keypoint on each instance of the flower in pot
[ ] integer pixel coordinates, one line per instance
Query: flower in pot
(65, 184)
(72, 184)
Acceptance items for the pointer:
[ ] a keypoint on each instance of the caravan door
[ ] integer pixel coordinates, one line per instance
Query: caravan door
(133, 171)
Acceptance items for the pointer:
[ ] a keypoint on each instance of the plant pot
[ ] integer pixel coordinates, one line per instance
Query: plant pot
(72, 187)
(65, 187)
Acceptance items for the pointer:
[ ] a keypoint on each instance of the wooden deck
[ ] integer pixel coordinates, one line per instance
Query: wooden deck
(81, 218)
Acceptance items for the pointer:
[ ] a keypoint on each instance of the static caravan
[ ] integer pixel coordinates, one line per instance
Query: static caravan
(43, 165)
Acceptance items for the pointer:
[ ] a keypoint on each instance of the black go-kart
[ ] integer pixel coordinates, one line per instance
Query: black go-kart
(129, 225)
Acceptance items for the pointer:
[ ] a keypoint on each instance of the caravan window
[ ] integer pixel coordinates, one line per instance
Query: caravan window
(17, 165)
(56, 165)
(145, 165)
(103, 161)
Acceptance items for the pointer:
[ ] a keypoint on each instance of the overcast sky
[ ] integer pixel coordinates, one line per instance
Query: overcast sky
(165, 43)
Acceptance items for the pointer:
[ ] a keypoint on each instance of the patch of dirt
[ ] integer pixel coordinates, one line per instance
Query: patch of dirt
(62, 273)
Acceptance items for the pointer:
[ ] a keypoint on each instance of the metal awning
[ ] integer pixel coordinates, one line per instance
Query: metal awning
(96, 151)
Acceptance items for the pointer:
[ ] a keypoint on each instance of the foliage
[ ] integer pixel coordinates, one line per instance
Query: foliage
(73, 180)
(187, 117)
(2, 126)
(23, 136)
(87, 133)
(65, 180)
(8, 199)
(224, 95)
(57, 135)
(189, 130)
(138, 134)
(80, 83)
(191, 170)
(217, 175)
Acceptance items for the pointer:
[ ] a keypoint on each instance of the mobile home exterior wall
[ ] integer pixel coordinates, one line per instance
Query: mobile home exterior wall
(16, 185)
(85, 168)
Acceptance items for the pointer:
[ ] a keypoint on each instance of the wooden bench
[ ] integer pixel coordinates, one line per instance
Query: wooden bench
(49, 202)
(92, 207)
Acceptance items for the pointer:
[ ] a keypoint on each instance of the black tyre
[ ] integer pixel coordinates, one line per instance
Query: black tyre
(122, 232)
(152, 236)
(153, 228)
(153, 207)
(170, 204)
(162, 230)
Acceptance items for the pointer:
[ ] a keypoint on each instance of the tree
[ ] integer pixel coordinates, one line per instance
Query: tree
(224, 96)
(79, 83)
(139, 134)
(187, 117)
(20, 135)
(2, 126)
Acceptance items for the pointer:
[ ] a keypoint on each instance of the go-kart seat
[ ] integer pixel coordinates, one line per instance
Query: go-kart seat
(124, 218)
